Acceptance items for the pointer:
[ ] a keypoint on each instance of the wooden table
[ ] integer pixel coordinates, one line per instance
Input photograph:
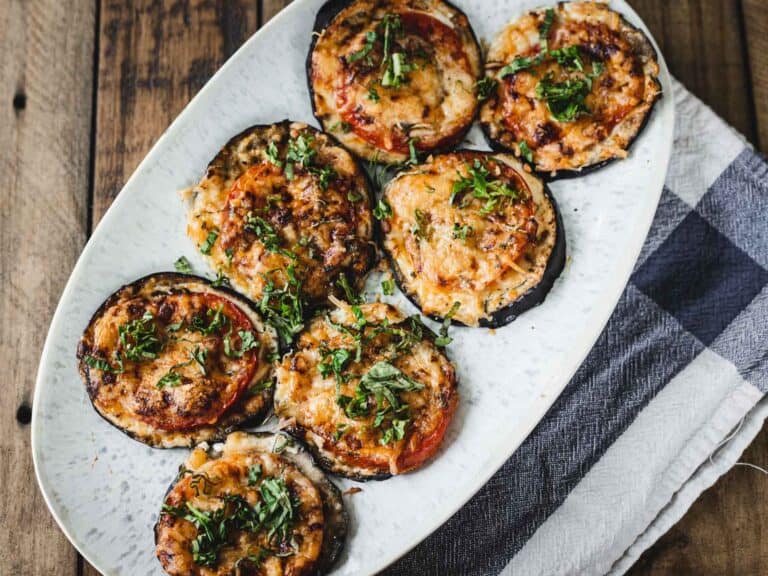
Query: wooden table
(87, 86)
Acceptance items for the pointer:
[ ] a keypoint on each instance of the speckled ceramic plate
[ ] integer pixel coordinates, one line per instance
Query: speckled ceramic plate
(104, 489)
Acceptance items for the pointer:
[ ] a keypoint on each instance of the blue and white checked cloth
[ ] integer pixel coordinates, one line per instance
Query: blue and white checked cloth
(665, 403)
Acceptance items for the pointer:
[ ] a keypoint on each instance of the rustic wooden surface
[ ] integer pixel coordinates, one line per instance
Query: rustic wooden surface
(72, 137)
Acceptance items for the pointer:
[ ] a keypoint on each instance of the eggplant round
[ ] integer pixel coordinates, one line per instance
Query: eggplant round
(233, 483)
(573, 87)
(368, 390)
(394, 78)
(473, 237)
(172, 360)
(284, 207)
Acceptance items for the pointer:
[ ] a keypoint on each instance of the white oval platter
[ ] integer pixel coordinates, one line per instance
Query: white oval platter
(105, 489)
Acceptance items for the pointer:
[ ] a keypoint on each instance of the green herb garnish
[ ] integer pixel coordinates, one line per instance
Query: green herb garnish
(481, 186)
(461, 232)
(183, 265)
(209, 242)
(388, 287)
(138, 338)
(485, 88)
(382, 210)
(443, 339)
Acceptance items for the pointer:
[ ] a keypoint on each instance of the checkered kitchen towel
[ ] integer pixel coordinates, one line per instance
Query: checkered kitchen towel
(665, 403)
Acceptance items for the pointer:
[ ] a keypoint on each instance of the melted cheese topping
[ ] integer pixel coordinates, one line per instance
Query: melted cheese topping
(266, 223)
(446, 253)
(353, 446)
(209, 395)
(204, 484)
(620, 99)
(434, 104)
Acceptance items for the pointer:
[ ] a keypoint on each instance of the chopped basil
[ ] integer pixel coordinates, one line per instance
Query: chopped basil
(349, 292)
(254, 474)
(209, 242)
(273, 155)
(248, 342)
(101, 364)
(382, 210)
(443, 339)
(388, 287)
(170, 379)
(461, 232)
(373, 94)
(200, 355)
(138, 338)
(182, 265)
(525, 151)
(481, 186)
(365, 51)
(485, 88)
(220, 280)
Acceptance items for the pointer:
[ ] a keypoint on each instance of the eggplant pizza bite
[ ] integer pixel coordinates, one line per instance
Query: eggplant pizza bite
(394, 78)
(284, 213)
(472, 237)
(569, 88)
(171, 361)
(260, 505)
(369, 391)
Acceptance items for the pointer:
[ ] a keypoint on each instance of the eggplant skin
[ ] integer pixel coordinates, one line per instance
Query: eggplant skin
(353, 446)
(294, 453)
(247, 411)
(456, 128)
(532, 297)
(327, 224)
(558, 140)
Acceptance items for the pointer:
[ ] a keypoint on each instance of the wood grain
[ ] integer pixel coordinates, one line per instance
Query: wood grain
(46, 63)
(704, 46)
(756, 28)
(153, 57)
(270, 8)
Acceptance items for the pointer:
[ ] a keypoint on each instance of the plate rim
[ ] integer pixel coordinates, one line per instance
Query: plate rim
(544, 399)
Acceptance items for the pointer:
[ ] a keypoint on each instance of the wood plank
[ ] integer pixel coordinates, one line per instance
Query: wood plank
(270, 8)
(756, 25)
(46, 59)
(153, 57)
(704, 48)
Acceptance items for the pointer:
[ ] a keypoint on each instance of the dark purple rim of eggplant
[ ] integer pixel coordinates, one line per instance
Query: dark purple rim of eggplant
(333, 503)
(570, 173)
(532, 298)
(325, 16)
(358, 282)
(219, 431)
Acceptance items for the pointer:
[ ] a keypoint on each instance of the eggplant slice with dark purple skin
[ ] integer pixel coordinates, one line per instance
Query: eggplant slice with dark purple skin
(172, 360)
(284, 213)
(269, 508)
(394, 78)
(569, 88)
(473, 237)
(368, 390)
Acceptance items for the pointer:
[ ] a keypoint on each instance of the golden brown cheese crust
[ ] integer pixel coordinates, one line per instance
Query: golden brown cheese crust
(619, 102)
(265, 222)
(203, 483)
(188, 389)
(445, 252)
(307, 401)
(432, 107)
